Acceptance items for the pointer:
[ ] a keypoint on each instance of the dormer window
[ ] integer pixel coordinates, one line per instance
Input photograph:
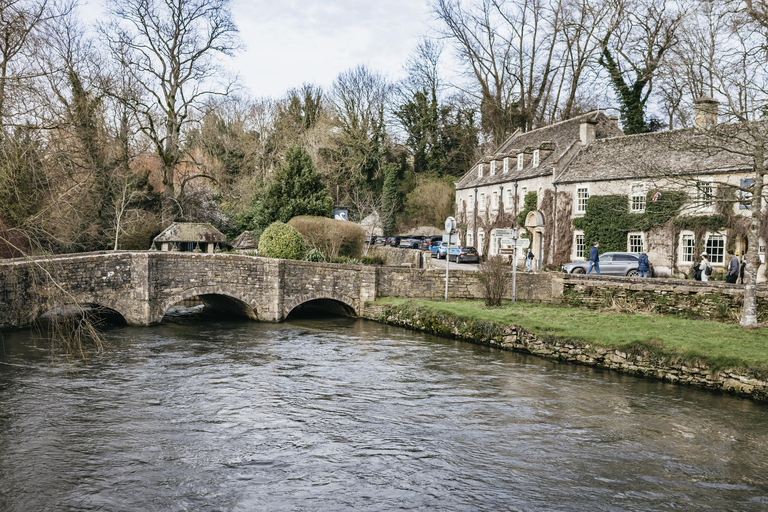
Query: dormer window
(520, 161)
(479, 171)
(535, 158)
(493, 167)
(506, 165)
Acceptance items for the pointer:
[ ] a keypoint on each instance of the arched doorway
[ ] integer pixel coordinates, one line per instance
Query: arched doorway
(534, 224)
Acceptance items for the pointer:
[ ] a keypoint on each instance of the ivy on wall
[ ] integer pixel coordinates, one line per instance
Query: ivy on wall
(608, 220)
(530, 202)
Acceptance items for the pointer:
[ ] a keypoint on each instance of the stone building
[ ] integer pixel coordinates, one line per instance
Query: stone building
(673, 194)
(190, 237)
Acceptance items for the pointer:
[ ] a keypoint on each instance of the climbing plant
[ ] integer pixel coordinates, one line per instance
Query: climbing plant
(609, 221)
(530, 201)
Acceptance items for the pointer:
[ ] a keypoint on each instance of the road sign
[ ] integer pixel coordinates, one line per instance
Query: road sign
(523, 242)
(507, 251)
(506, 232)
(450, 225)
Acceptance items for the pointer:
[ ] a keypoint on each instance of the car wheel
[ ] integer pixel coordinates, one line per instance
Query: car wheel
(578, 270)
(633, 273)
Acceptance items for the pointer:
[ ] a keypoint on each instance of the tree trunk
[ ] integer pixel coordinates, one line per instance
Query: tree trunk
(749, 311)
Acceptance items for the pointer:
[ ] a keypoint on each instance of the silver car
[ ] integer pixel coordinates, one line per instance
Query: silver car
(611, 264)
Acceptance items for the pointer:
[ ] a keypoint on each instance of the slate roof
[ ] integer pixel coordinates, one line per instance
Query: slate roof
(648, 155)
(554, 142)
(191, 232)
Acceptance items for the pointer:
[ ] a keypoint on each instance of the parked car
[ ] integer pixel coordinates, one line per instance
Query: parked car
(464, 255)
(431, 241)
(382, 240)
(370, 240)
(394, 241)
(439, 250)
(611, 264)
(411, 242)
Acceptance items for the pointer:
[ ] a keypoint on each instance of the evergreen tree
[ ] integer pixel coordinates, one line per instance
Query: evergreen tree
(390, 198)
(296, 190)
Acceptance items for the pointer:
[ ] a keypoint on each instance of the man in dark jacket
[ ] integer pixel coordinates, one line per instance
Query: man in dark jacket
(733, 268)
(594, 259)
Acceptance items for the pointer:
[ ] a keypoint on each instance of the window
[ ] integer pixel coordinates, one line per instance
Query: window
(495, 203)
(636, 242)
(637, 198)
(715, 248)
(745, 197)
(706, 193)
(480, 239)
(581, 247)
(510, 199)
(523, 193)
(469, 238)
(471, 203)
(535, 158)
(520, 161)
(479, 171)
(582, 194)
(687, 248)
(481, 206)
(493, 167)
(506, 165)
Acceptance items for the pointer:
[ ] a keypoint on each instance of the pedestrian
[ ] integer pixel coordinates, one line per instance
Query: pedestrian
(705, 267)
(529, 260)
(732, 274)
(594, 259)
(643, 265)
(742, 266)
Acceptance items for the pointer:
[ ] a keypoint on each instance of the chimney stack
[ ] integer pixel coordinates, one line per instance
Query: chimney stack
(587, 131)
(705, 113)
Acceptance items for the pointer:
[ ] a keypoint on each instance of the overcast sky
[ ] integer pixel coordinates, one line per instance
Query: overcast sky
(289, 42)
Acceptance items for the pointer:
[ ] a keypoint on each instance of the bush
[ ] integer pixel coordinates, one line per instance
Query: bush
(494, 275)
(282, 241)
(333, 238)
(315, 255)
(373, 260)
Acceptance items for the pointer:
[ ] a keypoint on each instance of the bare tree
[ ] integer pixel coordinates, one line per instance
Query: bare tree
(170, 50)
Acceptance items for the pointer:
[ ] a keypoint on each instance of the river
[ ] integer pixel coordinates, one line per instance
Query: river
(344, 414)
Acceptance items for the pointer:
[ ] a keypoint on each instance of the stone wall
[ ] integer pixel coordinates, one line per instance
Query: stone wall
(637, 361)
(693, 299)
(395, 256)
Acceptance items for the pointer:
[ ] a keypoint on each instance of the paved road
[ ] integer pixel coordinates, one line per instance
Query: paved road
(434, 262)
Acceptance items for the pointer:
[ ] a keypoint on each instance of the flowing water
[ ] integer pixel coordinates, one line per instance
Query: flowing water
(343, 414)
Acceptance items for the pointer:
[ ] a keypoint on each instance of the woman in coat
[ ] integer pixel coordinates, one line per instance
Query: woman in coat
(643, 265)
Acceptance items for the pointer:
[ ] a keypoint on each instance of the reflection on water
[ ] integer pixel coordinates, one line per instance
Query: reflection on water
(344, 414)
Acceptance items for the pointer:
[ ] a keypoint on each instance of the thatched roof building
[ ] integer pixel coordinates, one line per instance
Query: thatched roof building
(191, 237)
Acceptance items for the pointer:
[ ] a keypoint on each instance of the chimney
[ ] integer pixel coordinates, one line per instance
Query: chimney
(587, 131)
(705, 113)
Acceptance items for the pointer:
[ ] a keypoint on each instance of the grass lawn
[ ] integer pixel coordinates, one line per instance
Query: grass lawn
(719, 345)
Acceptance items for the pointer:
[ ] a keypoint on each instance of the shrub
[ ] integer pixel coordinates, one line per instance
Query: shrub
(315, 255)
(282, 241)
(494, 275)
(334, 238)
(373, 260)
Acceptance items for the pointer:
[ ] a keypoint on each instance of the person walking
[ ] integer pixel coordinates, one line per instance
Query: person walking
(643, 265)
(529, 260)
(594, 258)
(742, 266)
(705, 266)
(733, 268)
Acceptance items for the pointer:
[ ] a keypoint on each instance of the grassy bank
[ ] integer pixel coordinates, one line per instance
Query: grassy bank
(719, 345)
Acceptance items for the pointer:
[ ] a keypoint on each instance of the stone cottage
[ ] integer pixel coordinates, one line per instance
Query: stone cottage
(671, 194)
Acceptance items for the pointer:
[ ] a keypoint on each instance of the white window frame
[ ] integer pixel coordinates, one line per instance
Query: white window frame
(637, 197)
(520, 161)
(469, 239)
(495, 201)
(578, 201)
(705, 194)
(493, 167)
(480, 240)
(686, 251)
(482, 205)
(716, 258)
(506, 165)
(479, 171)
(510, 199)
(634, 237)
(579, 235)
(535, 162)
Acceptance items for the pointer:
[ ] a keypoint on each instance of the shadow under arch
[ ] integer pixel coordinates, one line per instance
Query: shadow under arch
(99, 314)
(214, 299)
(321, 307)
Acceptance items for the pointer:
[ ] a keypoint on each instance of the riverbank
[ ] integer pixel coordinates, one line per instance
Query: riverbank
(695, 352)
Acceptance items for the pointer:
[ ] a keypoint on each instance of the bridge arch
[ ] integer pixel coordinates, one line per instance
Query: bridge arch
(341, 304)
(53, 310)
(216, 297)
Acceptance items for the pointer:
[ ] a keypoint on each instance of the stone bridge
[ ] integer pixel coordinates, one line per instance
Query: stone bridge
(141, 286)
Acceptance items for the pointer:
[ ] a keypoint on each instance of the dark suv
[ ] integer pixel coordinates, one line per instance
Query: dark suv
(429, 242)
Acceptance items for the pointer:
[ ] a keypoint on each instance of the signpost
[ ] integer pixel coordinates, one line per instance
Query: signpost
(508, 245)
(450, 229)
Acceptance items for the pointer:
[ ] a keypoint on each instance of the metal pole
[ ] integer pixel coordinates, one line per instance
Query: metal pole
(447, 263)
(514, 266)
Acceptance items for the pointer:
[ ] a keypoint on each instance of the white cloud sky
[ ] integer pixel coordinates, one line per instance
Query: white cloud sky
(290, 42)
